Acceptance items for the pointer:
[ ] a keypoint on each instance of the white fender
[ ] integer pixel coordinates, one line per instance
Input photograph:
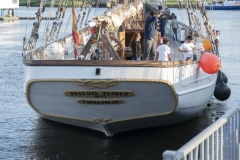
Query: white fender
(183, 33)
(54, 51)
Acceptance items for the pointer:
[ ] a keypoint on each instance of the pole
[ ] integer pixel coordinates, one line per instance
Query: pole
(13, 12)
(9, 15)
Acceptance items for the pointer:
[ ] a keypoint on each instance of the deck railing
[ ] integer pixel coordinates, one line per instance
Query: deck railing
(220, 141)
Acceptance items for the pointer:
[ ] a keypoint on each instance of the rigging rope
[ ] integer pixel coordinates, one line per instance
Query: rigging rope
(28, 45)
(57, 19)
(99, 33)
(213, 18)
(65, 7)
(59, 27)
(180, 8)
(47, 25)
(196, 5)
(197, 15)
(89, 10)
(64, 34)
(28, 7)
(97, 7)
(38, 19)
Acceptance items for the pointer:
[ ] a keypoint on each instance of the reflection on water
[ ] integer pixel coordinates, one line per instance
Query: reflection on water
(53, 140)
(23, 135)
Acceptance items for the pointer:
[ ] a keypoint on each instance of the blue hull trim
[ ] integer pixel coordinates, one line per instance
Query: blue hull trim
(223, 7)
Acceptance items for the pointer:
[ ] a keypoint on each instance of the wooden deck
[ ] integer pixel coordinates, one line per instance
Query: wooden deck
(173, 45)
(69, 60)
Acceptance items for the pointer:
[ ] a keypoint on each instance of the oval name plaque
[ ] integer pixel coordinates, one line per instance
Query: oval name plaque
(99, 94)
(95, 101)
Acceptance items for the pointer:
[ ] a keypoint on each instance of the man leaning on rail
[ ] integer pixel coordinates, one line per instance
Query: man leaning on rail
(149, 36)
(187, 47)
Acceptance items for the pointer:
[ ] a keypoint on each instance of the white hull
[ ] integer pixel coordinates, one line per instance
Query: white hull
(163, 95)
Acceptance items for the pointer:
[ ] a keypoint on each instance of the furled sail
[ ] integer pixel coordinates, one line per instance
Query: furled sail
(116, 16)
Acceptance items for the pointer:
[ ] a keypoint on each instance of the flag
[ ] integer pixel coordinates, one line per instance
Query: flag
(75, 34)
(91, 31)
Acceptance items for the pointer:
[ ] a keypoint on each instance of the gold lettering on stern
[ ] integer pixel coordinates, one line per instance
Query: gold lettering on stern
(99, 102)
(97, 84)
(99, 94)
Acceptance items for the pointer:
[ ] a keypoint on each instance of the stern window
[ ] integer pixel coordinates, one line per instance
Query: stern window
(14, 1)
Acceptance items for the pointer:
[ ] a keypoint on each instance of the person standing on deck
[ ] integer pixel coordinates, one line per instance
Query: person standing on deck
(160, 6)
(174, 25)
(217, 34)
(217, 37)
(149, 36)
(217, 41)
(163, 51)
(187, 47)
(136, 46)
(162, 25)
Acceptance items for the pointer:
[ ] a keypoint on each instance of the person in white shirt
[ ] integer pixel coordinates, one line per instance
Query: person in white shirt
(217, 41)
(217, 34)
(174, 25)
(187, 47)
(160, 6)
(163, 51)
(217, 37)
(34, 57)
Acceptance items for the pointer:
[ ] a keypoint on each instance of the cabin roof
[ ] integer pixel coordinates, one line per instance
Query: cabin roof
(9, 4)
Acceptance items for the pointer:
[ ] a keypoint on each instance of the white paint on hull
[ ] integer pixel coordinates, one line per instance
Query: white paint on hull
(193, 87)
(183, 76)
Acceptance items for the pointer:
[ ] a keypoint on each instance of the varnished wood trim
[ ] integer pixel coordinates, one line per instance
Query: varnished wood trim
(113, 63)
(135, 30)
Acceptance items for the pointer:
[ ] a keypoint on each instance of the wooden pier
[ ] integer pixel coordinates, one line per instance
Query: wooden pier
(43, 18)
(8, 18)
(19, 18)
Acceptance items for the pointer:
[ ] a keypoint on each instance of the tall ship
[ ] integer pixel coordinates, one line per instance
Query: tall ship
(88, 78)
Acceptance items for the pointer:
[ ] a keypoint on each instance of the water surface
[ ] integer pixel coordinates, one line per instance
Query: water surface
(24, 135)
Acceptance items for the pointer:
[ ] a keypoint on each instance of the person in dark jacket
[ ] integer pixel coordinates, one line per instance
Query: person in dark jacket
(149, 36)
(136, 46)
(162, 25)
(174, 25)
